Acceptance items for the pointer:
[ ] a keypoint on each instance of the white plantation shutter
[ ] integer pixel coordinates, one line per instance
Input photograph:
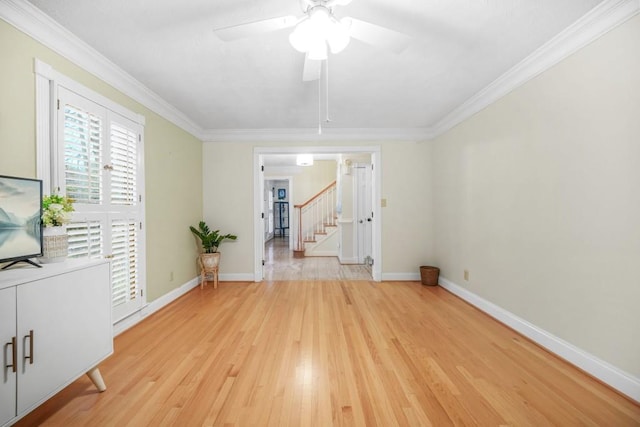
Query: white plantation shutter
(123, 160)
(100, 152)
(85, 239)
(124, 265)
(82, 155)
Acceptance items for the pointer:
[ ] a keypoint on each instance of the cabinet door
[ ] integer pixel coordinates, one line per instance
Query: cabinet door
(7, 332)
(70, 316)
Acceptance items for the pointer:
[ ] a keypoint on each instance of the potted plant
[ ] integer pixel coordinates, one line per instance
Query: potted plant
(56, 213)
(209, 259)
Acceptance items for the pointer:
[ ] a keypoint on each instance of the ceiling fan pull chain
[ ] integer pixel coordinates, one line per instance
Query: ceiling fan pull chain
(320, 105)
(326, 87)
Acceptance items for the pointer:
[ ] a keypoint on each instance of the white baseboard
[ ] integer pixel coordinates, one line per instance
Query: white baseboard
(241, 277)
(620, 380)
(126, 323)
(400, 276)
(313, 253)
(345, 260)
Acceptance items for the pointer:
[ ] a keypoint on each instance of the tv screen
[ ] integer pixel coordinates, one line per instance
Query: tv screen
(20, 213)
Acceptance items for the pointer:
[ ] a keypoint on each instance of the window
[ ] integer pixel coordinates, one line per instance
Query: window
(95, 157)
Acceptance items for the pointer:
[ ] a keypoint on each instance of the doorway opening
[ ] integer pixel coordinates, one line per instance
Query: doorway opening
(353, 252)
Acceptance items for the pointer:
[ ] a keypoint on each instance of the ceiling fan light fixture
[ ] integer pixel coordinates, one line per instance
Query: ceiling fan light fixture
(317, 50)
(299, 37)
(317, 30)
(304, 160)
(339, 37)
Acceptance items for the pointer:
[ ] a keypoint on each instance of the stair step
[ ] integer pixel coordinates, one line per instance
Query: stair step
(309, 241)
(320, 233)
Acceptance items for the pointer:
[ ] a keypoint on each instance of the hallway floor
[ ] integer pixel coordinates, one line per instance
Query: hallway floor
(281, 265)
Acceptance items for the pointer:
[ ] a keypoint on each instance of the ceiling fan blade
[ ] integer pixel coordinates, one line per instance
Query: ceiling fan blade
(378, 36)
(249, 29)
(312, 69)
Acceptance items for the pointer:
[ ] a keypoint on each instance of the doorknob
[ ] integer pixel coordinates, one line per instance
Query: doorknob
(361, 221)
(369, 219)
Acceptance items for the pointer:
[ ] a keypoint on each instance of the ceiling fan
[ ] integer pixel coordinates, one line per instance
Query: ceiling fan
(318, 31)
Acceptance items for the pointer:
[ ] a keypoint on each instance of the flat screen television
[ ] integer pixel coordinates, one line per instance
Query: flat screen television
(20, 219)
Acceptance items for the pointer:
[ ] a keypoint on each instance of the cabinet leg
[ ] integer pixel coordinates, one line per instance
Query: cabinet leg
(96, 378)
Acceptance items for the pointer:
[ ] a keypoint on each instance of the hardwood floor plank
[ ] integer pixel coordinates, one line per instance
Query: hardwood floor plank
(281, 265)
(331, 352)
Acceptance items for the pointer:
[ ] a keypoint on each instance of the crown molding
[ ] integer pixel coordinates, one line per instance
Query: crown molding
(36, 24)
(312, 135)
(601, 19)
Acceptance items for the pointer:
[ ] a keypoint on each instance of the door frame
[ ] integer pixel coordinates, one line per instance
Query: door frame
(258, 183)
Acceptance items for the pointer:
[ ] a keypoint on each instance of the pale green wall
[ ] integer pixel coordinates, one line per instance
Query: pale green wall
(407, 226)
(173, 171)
(313, 179)
(228, 202)
(538, 196)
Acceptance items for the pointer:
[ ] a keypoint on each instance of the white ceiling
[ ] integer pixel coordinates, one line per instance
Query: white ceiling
(459, 47)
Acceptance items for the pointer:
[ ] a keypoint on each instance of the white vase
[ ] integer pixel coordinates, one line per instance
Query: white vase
(55, 244)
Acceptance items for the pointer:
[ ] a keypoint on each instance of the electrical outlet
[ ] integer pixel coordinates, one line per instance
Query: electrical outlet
(466, 275)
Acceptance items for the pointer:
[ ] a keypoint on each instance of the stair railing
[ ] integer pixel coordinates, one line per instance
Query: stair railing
(315, 215)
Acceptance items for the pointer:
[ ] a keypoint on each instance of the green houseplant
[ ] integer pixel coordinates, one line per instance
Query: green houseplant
(56, 210)
(210, 240)
(209, 259)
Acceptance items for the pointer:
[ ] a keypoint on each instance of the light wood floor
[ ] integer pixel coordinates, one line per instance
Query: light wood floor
(281, 265)
(324, 353)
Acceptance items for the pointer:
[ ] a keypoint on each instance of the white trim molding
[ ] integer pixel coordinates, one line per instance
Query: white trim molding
(400, 277)
(45, 93)
(35, 23)
(620, 380)
(236, 277)
(600, 20)
(312, 135)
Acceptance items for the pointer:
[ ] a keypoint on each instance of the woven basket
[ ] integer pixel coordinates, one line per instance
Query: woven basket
(55, 244)
(429, 275)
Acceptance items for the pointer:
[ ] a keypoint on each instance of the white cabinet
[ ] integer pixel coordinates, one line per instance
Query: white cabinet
(9, 348)
(62, 326)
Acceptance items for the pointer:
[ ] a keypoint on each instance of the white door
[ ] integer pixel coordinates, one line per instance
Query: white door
(364, 212)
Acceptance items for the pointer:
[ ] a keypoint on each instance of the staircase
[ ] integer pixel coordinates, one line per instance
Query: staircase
(316, 221)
